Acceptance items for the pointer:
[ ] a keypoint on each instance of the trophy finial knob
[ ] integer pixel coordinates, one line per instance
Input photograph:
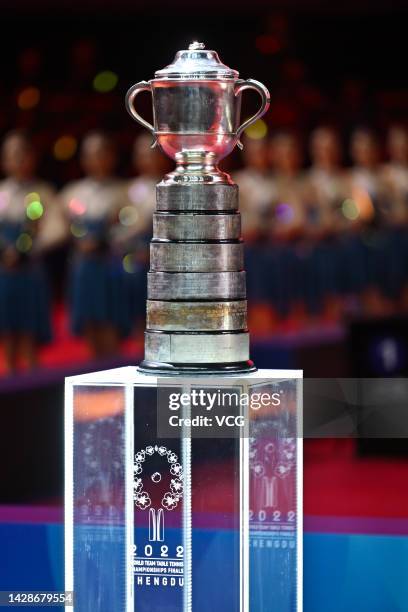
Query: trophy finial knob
(196, 45)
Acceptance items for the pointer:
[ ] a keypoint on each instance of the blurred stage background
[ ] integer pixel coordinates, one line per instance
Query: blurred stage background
(66, 75)
(327, 281)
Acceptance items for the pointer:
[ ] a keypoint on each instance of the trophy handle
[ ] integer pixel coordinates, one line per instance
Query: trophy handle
(263, 92)
(130, 106)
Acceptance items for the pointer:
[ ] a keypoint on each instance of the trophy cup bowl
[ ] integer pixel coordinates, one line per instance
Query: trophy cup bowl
(196, 110)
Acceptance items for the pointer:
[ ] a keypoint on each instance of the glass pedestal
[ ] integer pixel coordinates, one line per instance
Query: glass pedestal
(183, 493)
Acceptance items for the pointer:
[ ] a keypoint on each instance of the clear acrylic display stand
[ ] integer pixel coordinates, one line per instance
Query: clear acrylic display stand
(164, 511)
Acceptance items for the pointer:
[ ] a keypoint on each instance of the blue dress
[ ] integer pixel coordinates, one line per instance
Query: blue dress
(24, 290)
(98, 289)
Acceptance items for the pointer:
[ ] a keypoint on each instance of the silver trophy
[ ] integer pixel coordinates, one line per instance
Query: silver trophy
(196, 309)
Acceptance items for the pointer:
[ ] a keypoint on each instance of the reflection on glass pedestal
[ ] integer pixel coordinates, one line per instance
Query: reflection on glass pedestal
(181, 517)
(275, 515)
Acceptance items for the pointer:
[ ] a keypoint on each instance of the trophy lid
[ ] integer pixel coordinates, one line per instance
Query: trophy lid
(196, 62)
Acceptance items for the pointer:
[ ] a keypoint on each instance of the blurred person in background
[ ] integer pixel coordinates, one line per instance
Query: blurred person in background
(135, 230)
(256, 188)
(98, 297)
(325, 193)
(256, 195)
(25, 202)
(287, 208)
(394, 175)
(326, 183)
(365, 184)
(149, 165)
(287, 223)
(369, 206)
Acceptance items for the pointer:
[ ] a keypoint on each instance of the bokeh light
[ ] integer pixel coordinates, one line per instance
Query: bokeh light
(32, 197)
(34, 207)
(24, 243)
(76, 207)
(78, 231)
(257, 130)
(128, 264)
(35, 210)
(105, 81)
(138, 192)
(28, 98)
(284, 212)
(363, 202)
(128, 215)
(350, 210)
(65, 147)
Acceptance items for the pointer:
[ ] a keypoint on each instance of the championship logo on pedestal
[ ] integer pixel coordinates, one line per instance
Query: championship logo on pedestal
(170, 499)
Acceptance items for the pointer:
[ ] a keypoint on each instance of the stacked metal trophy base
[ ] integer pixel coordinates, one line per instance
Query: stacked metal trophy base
(196, 308)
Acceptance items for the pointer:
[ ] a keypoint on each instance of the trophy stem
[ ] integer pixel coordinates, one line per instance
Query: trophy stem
(195, 166)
